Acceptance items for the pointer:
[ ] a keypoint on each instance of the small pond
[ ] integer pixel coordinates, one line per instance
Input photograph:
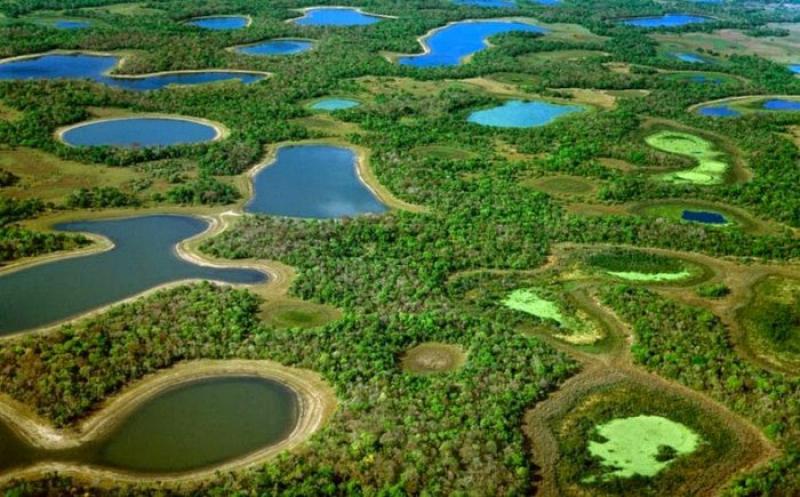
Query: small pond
(220, 23)
(143, 257)
(312, 181)
(703, 79)
(96, 68)
(331, 104)
(690, 58)
(188, 427)
(67, 24)
(448, 46)
(487, 3)
(336, 16)
(139, 132)
(519, 114)
(795, 68)
(704, 217)
(665, 21)
(781, 104)
(718, 111)
(276, 47)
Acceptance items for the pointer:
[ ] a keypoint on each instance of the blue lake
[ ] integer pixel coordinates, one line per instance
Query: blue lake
(139, 132)
(95, 67)
(781, 104)
(705, 217)
(336, 16)
(331, 104)
(143, 257)
(718, 111)
(487, 3)
(700, 78)
(220, 23)
(276, 47)
(665, 21)
(447, 46)
(312, 181)
(795, 68)
(691, 58)
(519, 114)
(65, 24)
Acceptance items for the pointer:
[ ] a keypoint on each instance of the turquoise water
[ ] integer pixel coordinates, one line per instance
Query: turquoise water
(188, 427)
(219, 23)
(691, 58)
(781, 104)
(795, 68)
(331, 104)
(665, 21)
(143, 257)
(450, 44)
(519, 114)
(139, 132)
(718, 111)
(336, 16)
(95, 67)
(277, 47)
(312, 181)
(65, 24)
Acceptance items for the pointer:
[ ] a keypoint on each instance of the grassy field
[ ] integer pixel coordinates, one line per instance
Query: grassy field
(562, 55)
(126, 9)
(710, 170)
(287, 312)
(574, 326)
(563, 185)
(441, 151)
(9, 113)
(433, 357)
(673, 210)
(734, 42)
(326, 125)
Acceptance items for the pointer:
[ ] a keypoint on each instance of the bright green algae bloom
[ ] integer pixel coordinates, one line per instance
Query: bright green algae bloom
(639, 276)
(526, 300)
(632, 445)
(710, 170)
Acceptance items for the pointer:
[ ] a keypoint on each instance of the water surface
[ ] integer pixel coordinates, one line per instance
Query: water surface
(96, 67)
(143, 257)
(705, 217)
(487, 3)
(781, 104)
(447, 46)
(795, 68)
(331, 104)
(665, 21)
(688, 57)
(220, 23)
(276, 47)
(312, 181)
(519, 114)
(139, 132)
(701, 78)
(66, 24)
(188, 427)
(336, 16)
(718, 111)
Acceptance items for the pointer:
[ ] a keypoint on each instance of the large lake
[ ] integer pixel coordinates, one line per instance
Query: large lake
(190, 426)
(139, 132)
(336, 16)
(449, 45)
(143, 257)
(519, 114)
(96, 67)
(665, 21)
(276, 47)
(313, 181)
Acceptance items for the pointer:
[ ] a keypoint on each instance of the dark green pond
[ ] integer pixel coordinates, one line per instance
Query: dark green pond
(189, 427)
(143, 257)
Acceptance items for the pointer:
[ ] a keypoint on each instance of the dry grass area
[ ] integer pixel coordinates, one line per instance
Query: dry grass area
(326, 125)
(563, 185)
(8, 113)
(287, 312)
(433, 357)
(735, 42)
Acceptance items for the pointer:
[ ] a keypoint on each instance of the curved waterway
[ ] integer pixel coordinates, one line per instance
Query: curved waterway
(336, 16)
(97, 67)
(139, 132)
(276, 47)
(143, 257)
(220, 23)
(449, 45)
(665, 21)
(312, 181)
(190, 426)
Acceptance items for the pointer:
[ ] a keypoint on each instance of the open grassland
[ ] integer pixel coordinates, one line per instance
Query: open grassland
(433, 357)
(783, 49)
(325, 125)
(286, 312)
(563, 185)
(562, 55)
(126, 9)
(8, 113)
(710, 169)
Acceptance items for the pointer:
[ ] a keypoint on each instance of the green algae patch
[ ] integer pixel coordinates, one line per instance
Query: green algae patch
(574, 325)
(641, 445)
(711, 168)
(638, 276)
(526, 300)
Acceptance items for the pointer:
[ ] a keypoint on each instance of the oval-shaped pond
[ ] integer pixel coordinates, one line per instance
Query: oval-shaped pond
(665, 21)
(69, 24)
(139, 132)
(97, 67)
(519, 114)
(332, 104)
(718, 111)
(190, 426)
(312, 181)
(143, 257)
(276, 47)
(336, 16)
(689, 57)
(220, 23)
(704, 217)
(781, 104)
(449, 45)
